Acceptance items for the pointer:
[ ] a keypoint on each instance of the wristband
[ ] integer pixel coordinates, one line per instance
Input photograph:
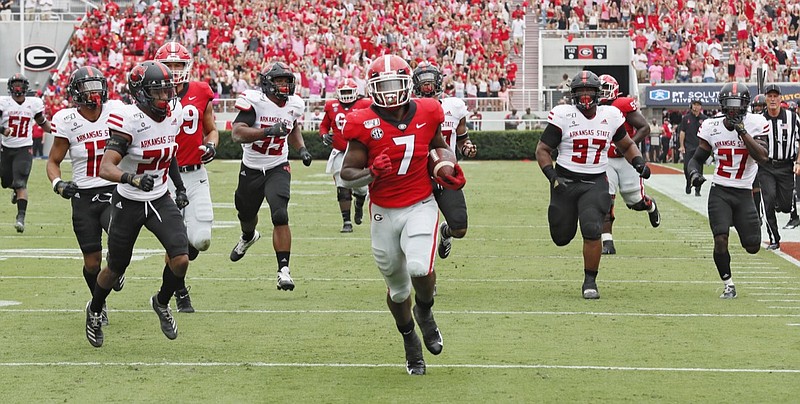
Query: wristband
(637, 161)
(125, 178)
(550, 173)
(58, 179)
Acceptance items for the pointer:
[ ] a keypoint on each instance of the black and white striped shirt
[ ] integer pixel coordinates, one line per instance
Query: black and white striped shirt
(783, 135)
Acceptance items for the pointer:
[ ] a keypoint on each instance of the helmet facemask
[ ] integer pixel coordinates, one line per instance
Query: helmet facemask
(584, 98)
(390, 91)
(91, 93)
(734, 108)
(17, 88)
(427, 84)
(347, 95)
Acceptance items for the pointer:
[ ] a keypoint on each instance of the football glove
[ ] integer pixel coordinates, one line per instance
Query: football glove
(453, 182)
(306, 156)
(381, 165)
(67, 189)
(696, 178)
(327, 139)
(209, 152)
(181, 199)
(279, 130)
(145, 182)
(469, 149)
(641, 167)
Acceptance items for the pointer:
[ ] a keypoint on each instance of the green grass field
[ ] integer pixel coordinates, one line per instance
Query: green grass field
(509, 306)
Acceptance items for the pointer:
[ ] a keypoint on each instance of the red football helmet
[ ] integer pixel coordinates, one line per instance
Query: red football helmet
(609, 88)
(389, 81)
(173, 52)
(347, 91)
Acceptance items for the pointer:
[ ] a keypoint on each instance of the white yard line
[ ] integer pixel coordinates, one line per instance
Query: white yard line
(394, 365)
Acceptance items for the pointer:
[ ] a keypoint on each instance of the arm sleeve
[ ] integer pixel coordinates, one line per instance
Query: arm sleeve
(175, 174)
(246, 116)
(551, 136)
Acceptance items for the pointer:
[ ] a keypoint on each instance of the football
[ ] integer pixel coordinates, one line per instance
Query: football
(441, 162)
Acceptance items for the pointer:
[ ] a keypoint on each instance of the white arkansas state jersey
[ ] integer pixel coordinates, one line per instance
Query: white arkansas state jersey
(584, 141)
(87, 143)
(151, 150)
(19, 117)
(734, 166)
(454, 110)
(270, 151)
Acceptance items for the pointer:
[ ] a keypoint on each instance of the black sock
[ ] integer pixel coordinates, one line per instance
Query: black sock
(283, 258)
(22, 206)
(193, 252)
(99, 298)
(406, 330)
(723, 263)
(589, 276)
(423, 305)
(248, 235)
(446, 231)
(169, 284)
(91, 279)
(346, 215)
(360, 200)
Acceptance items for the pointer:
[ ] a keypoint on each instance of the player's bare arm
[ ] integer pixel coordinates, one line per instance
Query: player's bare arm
(756, 150)
(116, 147)
(243, 131)
(438, 140)
(296, 138)
(695, 165)
(43, 122)
(632, 154)
(638, 121)
(354, 168)
(57, 153)
(210, 125)
(463, 143)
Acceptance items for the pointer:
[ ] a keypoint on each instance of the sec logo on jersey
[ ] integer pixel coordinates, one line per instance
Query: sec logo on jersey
(376, 133)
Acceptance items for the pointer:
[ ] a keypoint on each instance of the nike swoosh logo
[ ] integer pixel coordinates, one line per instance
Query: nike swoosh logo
(192, 98)
(203, 181)
(419, 125)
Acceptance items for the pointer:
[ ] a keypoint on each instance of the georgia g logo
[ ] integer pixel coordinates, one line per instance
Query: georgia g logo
(137, 75)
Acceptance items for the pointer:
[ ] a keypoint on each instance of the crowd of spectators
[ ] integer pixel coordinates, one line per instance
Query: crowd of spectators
(323, 41)
(683, 41)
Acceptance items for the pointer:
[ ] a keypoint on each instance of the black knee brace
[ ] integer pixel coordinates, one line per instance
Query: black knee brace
(344, 194)
(280, 217)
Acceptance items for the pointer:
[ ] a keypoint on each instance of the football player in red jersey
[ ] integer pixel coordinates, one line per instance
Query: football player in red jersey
(197, 143)
(330, 129)
(621, 176)
(387, 148)
(582, 133)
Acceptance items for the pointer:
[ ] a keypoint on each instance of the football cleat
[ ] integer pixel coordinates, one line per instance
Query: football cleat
(347, 228)
(430, 332)
(590, 291)
(358, 215)
(241, 247)
(729, 293)
(168, 325)
(104, 316)
(608, 247)
(20, 223)
(285, 281)
(655, 217)
(415, 363)
(94, 326)
(445, 243)
(119, 284)
(697, 191)
(793, 223)
(688, 188)
(774, 246)
(183, 302)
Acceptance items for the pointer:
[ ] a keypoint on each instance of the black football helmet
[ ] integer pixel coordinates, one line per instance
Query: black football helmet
(759, 103)
(150, 84)
(88, 87)
(733, 100)
(18, 85)
(582, 100)
(427, 73)
(268, 85)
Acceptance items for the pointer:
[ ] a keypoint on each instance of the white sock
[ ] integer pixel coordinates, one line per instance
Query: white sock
(728, 282)
(606, 237)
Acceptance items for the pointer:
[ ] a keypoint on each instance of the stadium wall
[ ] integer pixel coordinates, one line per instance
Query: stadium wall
(52, 35)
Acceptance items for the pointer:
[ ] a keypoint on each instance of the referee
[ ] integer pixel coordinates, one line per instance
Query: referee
(777, 175)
